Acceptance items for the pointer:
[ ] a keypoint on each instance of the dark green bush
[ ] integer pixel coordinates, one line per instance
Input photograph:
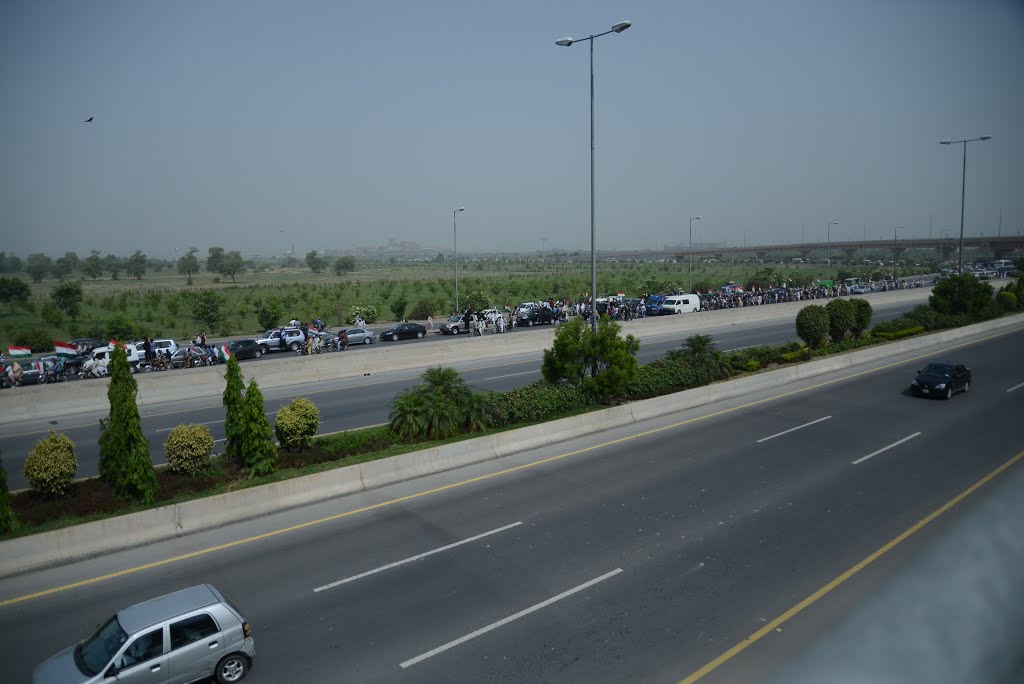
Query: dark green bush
(812, 325)
(965, 295)
(861, 316)
(842, 317)
(357, 441)
(35, 337)
(801, 354)
(1007, 301)
(539, 402)
(8, 517)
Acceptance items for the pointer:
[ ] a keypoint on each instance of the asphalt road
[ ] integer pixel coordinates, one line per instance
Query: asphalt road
(636, 554)
(352, 402)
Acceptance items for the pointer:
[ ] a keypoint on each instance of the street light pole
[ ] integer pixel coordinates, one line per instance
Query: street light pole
(566, 42)
(963, 190)
(895, 228)
(455, 237)
(689, 260)
(828, 248)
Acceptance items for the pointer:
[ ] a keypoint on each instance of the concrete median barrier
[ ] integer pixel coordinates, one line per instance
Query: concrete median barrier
(92, 539)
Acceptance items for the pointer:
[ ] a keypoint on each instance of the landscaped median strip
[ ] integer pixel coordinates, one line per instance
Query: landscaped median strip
(91, 539)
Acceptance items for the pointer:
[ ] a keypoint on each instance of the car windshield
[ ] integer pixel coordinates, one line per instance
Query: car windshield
(93, 654)
(937, 369)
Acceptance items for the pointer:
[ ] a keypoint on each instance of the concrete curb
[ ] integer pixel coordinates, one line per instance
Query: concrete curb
(96, 538)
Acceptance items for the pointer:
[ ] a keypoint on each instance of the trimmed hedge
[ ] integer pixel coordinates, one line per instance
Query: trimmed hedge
(188, 449)
(50, 467)
(899, 334)
(538, 402)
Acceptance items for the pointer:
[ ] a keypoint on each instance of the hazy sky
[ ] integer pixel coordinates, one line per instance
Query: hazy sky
(336, 124)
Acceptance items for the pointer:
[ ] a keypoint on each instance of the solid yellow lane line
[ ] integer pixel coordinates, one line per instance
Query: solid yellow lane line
(799, 607)
(462, 483)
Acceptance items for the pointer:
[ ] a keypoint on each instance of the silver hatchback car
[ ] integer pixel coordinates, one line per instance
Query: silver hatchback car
(179, 638)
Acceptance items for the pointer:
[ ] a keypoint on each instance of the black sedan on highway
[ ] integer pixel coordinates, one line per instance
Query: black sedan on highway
(245, 349)
(404, 331)
(941, 379)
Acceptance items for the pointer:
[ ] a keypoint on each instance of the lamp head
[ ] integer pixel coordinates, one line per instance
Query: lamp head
(564, 42)
(945, 142)
(622, 26)
(461, 209)
(985, 137)
(695, 218)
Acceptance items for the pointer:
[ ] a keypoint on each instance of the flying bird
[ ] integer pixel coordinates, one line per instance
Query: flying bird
(89, 120)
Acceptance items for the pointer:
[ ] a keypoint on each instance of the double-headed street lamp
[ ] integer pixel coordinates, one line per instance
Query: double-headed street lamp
(690, 258)
(828, 248)
(963, 189)
(566, 42)
(455, 237)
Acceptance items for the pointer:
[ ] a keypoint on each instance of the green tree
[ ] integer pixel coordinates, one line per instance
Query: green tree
(315, 262)
(208, 309)
(344, 264)
(14, 291)
(232, 264)
(234, 408)
(124, 461)
(62, 268)
(72, 260)
(258, 438)
(68, 296)
(214, 259)
(268, 313)
(812, 325)
(93, 265)
(962, 295)
(114, 265)
(189, 264)
(8, 517)
(861, 316)
(136, 264)
(441, 406)
(52, 314)
(841, 318)
(398, 308)
(38, 266)
(603, 364)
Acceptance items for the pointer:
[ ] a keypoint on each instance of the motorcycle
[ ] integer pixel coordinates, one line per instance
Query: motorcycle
(7, 378)
(56, 373)
(94, 369)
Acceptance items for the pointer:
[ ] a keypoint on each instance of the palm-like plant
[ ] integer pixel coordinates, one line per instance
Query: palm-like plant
(700, 351)
(405, 416)
(439, 407)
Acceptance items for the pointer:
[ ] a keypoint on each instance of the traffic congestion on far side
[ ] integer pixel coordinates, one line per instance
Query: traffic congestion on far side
(87, 358)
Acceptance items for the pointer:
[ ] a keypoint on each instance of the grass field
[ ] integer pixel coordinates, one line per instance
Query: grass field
(161, 304)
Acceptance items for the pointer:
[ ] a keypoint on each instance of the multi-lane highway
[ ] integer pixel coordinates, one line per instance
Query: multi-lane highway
(636, 554)
(353, 402)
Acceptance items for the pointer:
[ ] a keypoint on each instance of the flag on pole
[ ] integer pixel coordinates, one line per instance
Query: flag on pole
(39, 367)
(64, 349)
(225, 352)
(19, 352)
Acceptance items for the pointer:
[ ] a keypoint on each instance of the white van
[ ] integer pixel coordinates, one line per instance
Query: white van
(134, 356)
(685, 303)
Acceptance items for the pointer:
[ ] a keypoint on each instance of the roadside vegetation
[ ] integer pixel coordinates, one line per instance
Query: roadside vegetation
(582, 371)
(105, 297)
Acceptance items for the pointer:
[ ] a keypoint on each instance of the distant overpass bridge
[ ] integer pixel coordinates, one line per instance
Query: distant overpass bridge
(998, 247)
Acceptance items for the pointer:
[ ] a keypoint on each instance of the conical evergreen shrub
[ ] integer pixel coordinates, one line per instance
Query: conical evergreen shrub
(125, 462)
(258, 447)
(234, 408)
(8, 518)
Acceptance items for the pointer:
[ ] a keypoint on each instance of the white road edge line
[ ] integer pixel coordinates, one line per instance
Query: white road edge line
(389, 566)
(894, 444)
(786, 432)
(496, 377)
(1016, 387)
(510, 618)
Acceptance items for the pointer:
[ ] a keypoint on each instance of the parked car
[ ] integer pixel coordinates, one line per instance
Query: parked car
(187, 636)
(453, 326)
(72, 367)
(134, 356)
(271, 340)
(538, 315)
(403, 331)
(860, 289)
(245, 349)
(941, 379)
(360, 336)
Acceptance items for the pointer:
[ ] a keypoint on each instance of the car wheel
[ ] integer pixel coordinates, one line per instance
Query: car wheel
(949, 393)
(529, 324)
(455, 331)
(419, 335)
(294, 346)
(967, 386)
(232, 668)
(265, 348)
(367, 340)
(257, 354)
